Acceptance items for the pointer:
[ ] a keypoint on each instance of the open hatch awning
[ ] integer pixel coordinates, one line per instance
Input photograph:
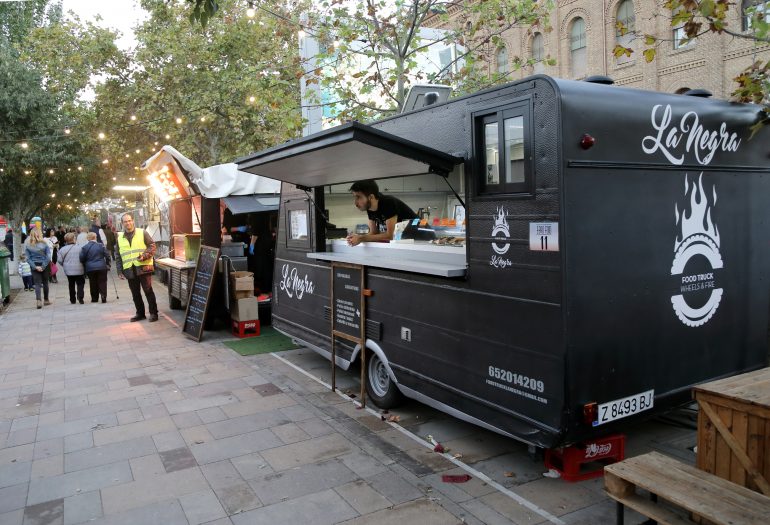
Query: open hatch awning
(252, 203)
(346, 153)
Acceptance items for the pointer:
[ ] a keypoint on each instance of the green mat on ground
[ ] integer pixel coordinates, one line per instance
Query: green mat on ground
(268, 340)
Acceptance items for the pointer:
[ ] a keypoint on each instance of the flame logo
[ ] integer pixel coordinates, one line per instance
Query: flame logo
(501, 226)
(699, 220)
(698, 236)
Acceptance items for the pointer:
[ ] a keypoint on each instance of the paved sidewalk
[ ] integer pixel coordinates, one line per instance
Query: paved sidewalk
(108, 422)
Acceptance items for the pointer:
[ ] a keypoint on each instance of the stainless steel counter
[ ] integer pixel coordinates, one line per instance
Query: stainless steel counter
(418, 257)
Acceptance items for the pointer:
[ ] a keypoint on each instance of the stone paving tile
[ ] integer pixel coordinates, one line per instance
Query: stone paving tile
(12, 498)
(151, 411)
(116, 395)
(254, 406)
(299, 454)
(129, 416)
(46, 513)
(326, 507)
(77, 426)
(163, 513)
(47, 467)
(290, 433)
(199, 403)
(187, 420)
(149, 466)
(315, 427)
(558, 497)
(421, 511)
(14, 473)
(17, 454)
(21, 437)
(24, 422)
(110, 453)
(293, 483)
(50, 447)
(235, 446)
(394, 487)
(505, 506)
(51, 418)
(238, 498)
(69, 484)
(14, 517)
(202, 507)
(362, 497)
(151, 490)
(362, 464)
(211, 415)
(245, 424)
(125, 432)
(221, 474)
(75, 442)
(177, 459)
(251, 466)
(82, 508)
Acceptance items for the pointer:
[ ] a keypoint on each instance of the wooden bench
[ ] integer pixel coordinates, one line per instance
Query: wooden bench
(707, 496)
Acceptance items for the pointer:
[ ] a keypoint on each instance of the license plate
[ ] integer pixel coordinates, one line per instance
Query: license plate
(628, 406)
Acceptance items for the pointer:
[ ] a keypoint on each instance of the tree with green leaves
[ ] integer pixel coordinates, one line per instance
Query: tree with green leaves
(37, 164)
(374, 50)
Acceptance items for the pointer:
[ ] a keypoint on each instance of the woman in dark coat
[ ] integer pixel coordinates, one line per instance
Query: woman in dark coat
(94, 257)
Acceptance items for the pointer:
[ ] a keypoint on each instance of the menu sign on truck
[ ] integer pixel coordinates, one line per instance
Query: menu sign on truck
(346, 309)
(348, 314)
(197, 305)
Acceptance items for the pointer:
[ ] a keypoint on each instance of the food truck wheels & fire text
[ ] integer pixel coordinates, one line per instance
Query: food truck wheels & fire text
(379, 387)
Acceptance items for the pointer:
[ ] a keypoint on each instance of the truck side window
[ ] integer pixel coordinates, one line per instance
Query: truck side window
(298, 224)
(505, 150)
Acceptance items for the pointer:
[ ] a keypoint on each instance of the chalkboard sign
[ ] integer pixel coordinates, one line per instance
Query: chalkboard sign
(347, 302)
(200, 291)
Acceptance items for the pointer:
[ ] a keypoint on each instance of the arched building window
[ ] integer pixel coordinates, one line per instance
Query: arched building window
(577, 46)
(538, 52)
(753, 6)
(502, 60)
(626, 25)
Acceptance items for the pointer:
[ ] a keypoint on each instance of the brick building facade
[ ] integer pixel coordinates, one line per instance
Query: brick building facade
(583, 35)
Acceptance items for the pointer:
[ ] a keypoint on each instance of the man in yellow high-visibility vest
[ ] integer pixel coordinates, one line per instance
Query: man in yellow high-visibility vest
(134, 262)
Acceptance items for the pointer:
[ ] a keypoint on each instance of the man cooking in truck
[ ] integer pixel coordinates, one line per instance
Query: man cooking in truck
(384, 212)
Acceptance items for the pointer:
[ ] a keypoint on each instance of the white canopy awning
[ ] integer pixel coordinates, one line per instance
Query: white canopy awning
(213, 182)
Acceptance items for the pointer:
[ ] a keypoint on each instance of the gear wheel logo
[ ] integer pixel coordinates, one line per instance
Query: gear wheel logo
(699, 238)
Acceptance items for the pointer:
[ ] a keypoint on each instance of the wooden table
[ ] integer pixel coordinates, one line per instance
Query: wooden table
(734, 429)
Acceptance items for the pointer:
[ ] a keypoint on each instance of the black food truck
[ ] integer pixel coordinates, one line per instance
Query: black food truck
(616, 252)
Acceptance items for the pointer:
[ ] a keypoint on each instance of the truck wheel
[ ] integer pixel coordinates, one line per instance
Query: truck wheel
(381, 390)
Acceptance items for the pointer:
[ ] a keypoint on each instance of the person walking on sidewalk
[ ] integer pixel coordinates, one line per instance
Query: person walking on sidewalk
(26, 272)
(39, 254)
(97, 264)
(69, 259)
(134, 262)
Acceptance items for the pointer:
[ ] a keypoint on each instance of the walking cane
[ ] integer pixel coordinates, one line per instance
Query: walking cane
(114, 285)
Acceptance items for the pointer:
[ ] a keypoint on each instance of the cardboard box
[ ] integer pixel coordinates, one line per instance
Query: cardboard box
(242, 294)
(242, 281)
(244, 309)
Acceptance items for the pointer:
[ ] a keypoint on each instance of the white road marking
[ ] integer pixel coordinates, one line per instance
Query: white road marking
(480, 475)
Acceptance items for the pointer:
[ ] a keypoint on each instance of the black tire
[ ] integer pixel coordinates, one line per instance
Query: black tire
(379, 387)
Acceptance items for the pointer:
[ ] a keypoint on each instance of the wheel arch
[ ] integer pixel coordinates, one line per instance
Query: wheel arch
(380, 353)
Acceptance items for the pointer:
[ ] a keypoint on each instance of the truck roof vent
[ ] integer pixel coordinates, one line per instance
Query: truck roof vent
(600, 79)
(704, 93)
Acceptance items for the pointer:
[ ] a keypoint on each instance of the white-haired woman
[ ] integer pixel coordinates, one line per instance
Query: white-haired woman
(38, 254)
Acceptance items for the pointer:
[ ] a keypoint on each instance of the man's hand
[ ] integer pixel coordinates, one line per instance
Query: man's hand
(38, 268)
(355, 239)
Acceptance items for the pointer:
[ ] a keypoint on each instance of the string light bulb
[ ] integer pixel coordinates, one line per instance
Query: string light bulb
(168, 136)
(101, 136)
(24, 145)
(133, 117)
(252, 99)
(67, 131)
(178, 120)
(336, 43)
(251, 12)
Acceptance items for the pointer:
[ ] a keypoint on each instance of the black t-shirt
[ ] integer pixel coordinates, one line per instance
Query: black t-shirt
(388, 207)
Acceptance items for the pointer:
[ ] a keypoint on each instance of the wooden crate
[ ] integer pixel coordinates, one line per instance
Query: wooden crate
(696, 492)
(734, 429)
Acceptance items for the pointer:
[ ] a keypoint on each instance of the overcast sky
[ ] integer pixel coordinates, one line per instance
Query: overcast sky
(116, 14)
